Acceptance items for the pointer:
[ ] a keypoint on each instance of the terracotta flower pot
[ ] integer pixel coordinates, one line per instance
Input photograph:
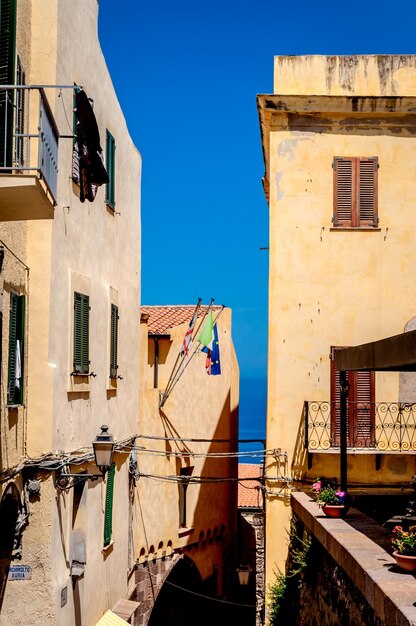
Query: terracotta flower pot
(405, 561)
(335, 510)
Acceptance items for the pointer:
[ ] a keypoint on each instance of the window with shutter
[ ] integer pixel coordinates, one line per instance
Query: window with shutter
(20, 113)
(81, 333)
(360, 407)
(113, 341)
(16, 349)
(110, 152)
(108, 515)
(7, 77)
(355, 192)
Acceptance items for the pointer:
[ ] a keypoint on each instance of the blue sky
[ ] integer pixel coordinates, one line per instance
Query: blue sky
(187, 74)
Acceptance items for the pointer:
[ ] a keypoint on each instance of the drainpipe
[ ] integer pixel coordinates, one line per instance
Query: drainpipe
(156, 367)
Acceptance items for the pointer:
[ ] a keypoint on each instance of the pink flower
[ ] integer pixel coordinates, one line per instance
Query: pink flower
(316, 487)
(397, 529)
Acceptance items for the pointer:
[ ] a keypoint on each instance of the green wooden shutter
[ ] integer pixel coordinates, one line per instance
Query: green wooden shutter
(7, 68)
(20, 113)
(16, 339)
(11, 386)
(110, 153)
(81, 333)
(113, 341)
(108, 515)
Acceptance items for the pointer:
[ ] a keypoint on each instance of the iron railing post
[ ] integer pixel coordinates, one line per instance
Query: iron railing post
(306, 411)
(343, 429)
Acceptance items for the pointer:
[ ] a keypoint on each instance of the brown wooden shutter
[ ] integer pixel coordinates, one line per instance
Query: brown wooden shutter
(361, 413)
(360, 407)
(367, 191)
(335, 400)
(343, 194)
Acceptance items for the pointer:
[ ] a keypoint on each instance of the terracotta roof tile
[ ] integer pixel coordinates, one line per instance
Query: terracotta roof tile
(162, 318)
(249, 496)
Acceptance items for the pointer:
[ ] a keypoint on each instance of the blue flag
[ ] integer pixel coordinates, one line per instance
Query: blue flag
(215, 355)
(213, 365)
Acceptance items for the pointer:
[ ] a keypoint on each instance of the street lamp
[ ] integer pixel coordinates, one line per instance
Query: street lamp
(103, 446)
(243, 574)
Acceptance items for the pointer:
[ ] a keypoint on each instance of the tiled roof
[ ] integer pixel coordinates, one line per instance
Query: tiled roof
(249, 495)
(162, 318)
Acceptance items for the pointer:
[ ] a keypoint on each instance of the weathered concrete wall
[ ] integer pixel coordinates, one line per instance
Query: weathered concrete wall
(379, 74)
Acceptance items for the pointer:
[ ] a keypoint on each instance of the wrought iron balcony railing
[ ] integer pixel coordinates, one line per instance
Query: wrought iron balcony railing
(28, 135)
(376, 426)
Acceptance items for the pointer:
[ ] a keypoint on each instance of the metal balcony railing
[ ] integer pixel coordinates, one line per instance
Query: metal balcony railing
(28, 135)
(376, 426)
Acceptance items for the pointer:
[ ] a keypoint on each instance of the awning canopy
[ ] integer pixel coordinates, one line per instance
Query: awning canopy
(394, 354)
(125, 608)
(111, 619)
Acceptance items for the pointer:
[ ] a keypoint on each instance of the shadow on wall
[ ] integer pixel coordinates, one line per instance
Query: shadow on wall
(9, 512)
(300, 453)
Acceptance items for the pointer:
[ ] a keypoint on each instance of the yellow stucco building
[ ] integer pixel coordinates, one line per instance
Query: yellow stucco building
(70, 294)
(339, 139)
(187, 469)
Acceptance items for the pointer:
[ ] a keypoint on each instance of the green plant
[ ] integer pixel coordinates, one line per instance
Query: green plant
(404, 542)
(326, 492)
(283, 594)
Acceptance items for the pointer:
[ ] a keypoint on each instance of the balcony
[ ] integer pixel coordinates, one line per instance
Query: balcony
(28, 154)
(373, 427)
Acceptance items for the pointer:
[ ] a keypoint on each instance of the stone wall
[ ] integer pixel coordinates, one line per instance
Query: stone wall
(251, 551)
(328, 596)
(150, 577)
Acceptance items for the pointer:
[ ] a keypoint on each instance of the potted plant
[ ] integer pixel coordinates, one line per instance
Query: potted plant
(404, 544)
(330, 499)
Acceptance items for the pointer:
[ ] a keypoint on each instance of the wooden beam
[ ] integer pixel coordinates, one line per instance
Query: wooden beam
(394, 354)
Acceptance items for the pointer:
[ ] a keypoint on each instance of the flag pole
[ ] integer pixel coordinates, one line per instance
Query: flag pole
(179, 376)
(173, 377)
(179, 358)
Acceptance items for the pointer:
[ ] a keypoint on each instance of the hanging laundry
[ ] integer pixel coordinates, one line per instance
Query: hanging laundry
(18, 370)
(90, 173)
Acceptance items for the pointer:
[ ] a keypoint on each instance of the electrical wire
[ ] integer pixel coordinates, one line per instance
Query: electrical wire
(194, 593)
(192, 439)
(196, 479)
(250, 453)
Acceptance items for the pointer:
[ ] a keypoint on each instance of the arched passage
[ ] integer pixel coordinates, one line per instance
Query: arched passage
(174, 606)
(10, 506)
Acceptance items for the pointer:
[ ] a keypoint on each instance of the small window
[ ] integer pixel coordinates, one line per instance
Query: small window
(110, 154)
(355, 192)
(81, 333)
(108, 515)
(185, 475)
(16, 349)
(113, 341)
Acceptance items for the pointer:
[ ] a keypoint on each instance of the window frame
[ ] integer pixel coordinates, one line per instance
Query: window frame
(114, 317)
(360, 412)
(110, 163)
(16, 333)
(81, 362)
(352, 188)
(108, 512)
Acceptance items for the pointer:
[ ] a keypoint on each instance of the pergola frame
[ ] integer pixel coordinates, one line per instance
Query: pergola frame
(393, 354)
